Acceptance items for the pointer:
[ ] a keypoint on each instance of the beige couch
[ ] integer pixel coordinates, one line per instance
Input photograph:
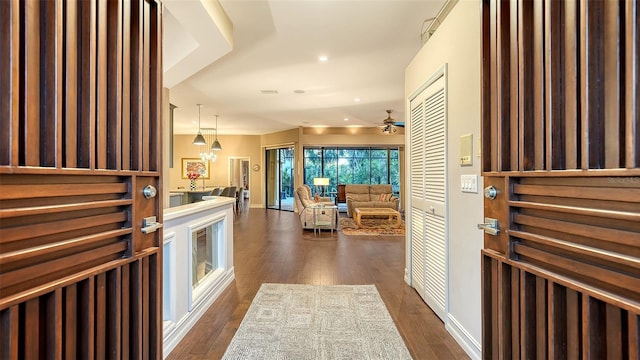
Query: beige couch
(304, 199)
(368, 196)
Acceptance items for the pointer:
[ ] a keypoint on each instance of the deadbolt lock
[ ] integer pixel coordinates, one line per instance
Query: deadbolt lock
(149, 191)
(490, 192)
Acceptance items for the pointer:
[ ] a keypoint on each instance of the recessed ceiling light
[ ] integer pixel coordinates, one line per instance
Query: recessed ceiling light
(323, 58)
(298, 91)
(269, 92)
(346, 119)
(356, 99)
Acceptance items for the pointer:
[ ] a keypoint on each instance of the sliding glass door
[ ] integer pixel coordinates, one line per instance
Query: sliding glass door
(280, 178)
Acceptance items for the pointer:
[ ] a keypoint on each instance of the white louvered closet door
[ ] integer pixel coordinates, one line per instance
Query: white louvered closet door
(428, 195)
(416, 130)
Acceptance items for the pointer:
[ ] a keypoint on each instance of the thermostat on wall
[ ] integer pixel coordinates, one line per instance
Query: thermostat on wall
(466, 150)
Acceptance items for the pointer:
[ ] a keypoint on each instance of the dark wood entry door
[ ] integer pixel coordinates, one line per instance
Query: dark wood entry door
(561, 126)
(80, 138)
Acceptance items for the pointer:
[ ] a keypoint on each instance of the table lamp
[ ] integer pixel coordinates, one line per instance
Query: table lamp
(322, 182)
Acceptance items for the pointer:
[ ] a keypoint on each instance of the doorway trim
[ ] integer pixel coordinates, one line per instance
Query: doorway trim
(244, 159)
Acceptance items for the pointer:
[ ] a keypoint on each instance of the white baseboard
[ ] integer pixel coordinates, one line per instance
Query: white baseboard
(462, 336)
(174, 332)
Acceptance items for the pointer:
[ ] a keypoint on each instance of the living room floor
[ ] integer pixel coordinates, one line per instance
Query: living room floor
(271, 247)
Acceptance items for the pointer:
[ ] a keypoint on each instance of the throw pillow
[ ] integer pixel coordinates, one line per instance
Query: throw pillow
(316, 197)
(385, 197)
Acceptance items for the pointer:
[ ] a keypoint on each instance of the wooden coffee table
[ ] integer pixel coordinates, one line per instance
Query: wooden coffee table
(360, 212)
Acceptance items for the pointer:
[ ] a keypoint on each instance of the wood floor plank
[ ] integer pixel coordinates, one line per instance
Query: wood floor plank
(270, 246)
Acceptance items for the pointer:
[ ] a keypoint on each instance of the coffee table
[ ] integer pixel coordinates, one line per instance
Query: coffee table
(360, 212)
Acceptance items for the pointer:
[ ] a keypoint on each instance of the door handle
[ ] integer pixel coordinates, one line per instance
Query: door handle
(490, 226)
(149, 225)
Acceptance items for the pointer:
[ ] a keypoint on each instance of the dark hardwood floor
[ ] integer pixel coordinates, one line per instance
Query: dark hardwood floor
(271, 247)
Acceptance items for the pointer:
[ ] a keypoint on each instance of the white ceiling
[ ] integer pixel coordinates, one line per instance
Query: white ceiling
(275, 45)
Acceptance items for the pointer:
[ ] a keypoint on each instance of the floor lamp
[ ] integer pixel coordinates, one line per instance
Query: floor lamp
(321, 182)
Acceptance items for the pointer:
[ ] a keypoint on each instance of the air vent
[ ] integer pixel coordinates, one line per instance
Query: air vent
(269, 92)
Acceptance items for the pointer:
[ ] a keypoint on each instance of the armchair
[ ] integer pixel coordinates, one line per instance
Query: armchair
(303, 200)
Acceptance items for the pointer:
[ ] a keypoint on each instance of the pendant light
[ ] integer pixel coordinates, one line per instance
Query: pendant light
(199, 140)
(216, 144)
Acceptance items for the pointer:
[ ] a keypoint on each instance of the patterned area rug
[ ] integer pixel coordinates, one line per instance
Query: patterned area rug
(371, 227)
(317, 322)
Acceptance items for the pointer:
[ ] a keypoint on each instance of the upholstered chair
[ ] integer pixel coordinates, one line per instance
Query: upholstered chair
(304, 200)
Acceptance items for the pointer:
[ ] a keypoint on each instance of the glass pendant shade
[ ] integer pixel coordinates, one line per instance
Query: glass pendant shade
(205, 152)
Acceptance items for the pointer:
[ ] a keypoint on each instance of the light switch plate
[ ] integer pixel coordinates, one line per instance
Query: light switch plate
(469, 183)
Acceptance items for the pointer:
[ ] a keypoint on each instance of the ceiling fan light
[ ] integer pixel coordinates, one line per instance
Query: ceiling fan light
(199, 140)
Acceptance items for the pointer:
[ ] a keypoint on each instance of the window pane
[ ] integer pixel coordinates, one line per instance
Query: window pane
(379, 167)
(331, 169)
(361, 166)
(353, 166)
(204, 252)
(394, 170)
(287, 168)
(312, 164)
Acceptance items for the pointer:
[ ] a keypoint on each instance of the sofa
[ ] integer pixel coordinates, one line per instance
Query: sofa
(303, 199)
(370, 196)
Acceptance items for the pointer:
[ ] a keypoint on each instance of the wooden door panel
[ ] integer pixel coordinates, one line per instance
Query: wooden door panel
(569, 206)
(80, 87)
(543, 314)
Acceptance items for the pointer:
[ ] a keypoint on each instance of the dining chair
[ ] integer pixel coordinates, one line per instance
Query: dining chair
(240, 200)
(229, 191)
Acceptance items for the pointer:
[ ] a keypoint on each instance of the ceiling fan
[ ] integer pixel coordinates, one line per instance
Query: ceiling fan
(390, 125)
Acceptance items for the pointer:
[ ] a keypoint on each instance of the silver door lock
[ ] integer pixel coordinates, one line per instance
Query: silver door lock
(490, 192)
(149, 191)
(490, 226)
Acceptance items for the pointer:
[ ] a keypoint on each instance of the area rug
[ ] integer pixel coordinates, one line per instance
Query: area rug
(317, 322)
(371, 227)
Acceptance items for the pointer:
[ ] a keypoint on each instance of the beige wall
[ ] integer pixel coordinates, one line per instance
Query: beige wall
(232, 146)
(280, 138)
(457, 43)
